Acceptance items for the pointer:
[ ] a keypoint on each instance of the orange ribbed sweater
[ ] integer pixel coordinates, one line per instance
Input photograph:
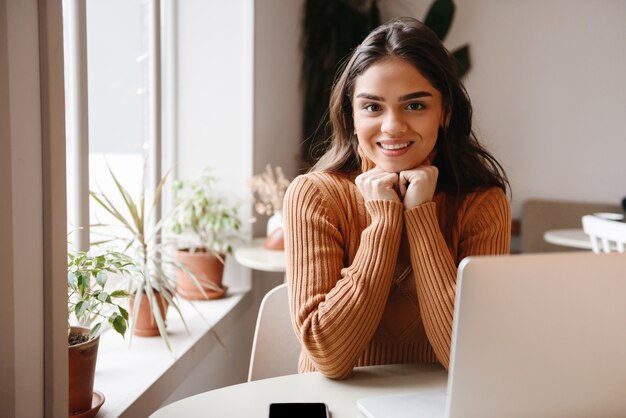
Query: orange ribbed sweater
(346, 260)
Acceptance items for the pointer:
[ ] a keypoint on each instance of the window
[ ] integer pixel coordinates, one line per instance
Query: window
(228, 83)
(113, 104)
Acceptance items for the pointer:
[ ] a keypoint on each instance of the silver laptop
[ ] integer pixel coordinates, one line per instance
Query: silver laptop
(537, 335)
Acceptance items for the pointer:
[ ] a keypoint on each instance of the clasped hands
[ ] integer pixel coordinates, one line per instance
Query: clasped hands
(411, 187)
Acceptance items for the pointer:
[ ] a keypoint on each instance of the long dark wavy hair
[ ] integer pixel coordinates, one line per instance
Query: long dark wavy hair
(464, 164)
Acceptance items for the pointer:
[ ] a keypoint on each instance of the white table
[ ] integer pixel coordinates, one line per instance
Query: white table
(575, 238)
(250, 400)
(253, 255)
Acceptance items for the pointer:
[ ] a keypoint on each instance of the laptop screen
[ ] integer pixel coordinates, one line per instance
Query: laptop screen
(536, 335)
(539, 335)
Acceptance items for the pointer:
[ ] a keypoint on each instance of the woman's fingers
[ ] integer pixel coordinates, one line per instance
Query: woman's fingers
(418, 186)
(378, 184)
(412, 187)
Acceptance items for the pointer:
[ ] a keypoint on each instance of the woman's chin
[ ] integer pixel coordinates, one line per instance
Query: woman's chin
(394, 167)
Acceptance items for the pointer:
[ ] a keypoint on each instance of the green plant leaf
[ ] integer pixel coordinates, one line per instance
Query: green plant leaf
(154, 307)
(119, 324)
(463, 58)
(72, 281)
(79, 309)
(439, 17)
(159, 189)
(119, 294)
(128, 200)
(101, 278)
(123, 312)
(104, 297)
(105, 203)
(95, 330)
(82, 282)
(92, 304)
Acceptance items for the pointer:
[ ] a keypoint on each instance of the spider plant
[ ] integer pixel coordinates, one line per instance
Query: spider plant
(143, 242)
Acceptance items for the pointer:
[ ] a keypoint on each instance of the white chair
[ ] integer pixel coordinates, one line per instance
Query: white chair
(605, 234)
(275, 348)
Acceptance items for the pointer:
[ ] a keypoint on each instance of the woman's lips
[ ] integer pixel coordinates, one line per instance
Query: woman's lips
(394, 149)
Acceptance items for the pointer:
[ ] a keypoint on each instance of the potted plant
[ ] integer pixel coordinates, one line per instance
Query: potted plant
(152, 292)
(90, 306)
(212, 224)
(268, 193)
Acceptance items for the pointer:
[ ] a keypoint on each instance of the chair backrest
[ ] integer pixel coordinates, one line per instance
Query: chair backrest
(605, 234)
(275, 348)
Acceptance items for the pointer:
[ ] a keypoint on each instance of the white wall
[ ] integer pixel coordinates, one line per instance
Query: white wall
(547, 84)
(214, 98)
(219, 90)
(277, 92)
(214, 80)
(239, 95)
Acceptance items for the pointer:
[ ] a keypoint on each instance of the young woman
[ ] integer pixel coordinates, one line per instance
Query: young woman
(376, 230)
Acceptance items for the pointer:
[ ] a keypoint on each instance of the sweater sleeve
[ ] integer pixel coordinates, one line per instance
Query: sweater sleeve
(484, 230)
(336, 308)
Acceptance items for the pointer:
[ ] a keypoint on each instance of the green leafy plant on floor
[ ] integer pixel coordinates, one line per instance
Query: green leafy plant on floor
(90, 304)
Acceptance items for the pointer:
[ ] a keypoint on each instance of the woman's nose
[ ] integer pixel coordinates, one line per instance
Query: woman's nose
(393, 124)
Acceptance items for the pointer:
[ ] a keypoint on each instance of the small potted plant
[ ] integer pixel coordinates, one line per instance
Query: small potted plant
(268, 192)
(90, 306)
(152, 292)
(212, 224)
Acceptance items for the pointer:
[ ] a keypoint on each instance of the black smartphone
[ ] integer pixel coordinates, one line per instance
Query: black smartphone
(299, 410)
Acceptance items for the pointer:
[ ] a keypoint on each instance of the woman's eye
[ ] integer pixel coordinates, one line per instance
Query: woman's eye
(415, 106)
(372, 107)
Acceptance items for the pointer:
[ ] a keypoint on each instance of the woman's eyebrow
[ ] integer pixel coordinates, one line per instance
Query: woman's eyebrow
(415, 95)
(410, 96)
(369, 96)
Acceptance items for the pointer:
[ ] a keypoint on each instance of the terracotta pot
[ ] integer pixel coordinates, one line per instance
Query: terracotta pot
(145, 322)
(82, 369)
(208, 271)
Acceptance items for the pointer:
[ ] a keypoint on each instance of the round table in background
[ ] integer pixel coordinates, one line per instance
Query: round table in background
(253, 255)
(575, 238)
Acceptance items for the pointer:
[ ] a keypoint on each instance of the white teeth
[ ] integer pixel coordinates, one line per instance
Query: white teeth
(395, 146)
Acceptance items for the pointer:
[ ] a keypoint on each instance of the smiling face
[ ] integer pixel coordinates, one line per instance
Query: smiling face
(397, 114)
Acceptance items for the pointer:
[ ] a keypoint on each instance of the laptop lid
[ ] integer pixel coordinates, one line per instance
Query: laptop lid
(424, 404)
(536, 335)
(539, 335)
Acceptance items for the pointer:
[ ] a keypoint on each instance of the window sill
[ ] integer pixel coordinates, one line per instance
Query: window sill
(137, 379)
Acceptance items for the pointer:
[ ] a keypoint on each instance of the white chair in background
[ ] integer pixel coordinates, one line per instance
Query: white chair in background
(275, 348)
(605, 234)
